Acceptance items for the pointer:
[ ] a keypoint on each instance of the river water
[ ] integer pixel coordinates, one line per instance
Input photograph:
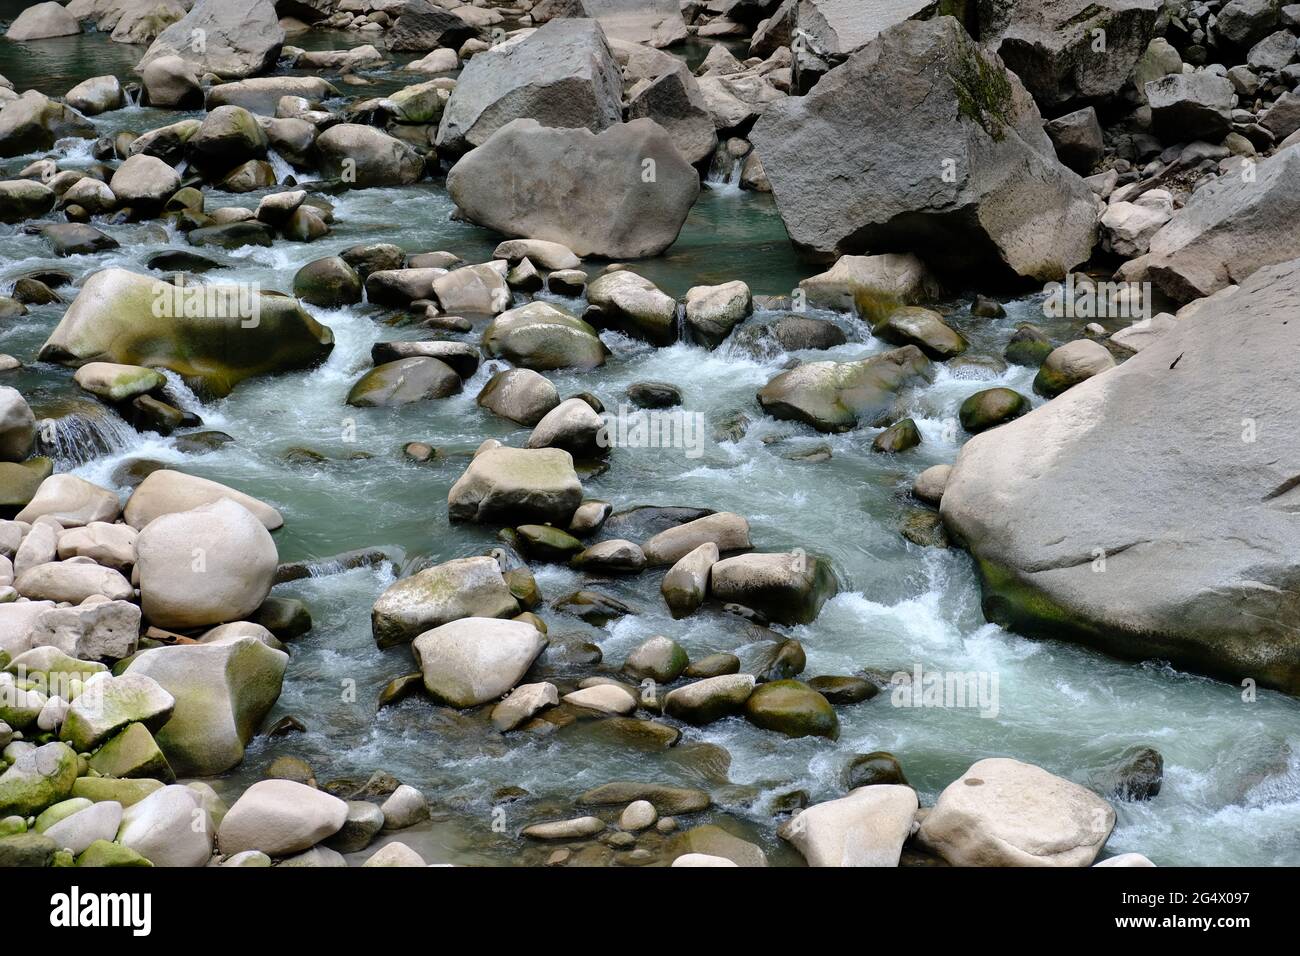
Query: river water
(1231, 792)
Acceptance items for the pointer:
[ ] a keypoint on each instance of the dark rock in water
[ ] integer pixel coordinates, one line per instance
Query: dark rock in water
(545, 543)
(818, 453)
(1136, 775)
(31, 291)
(991, 407)
(337, 564)
(462, 357)
(668, 800)
(630, 732)
(328, 283)
(924, 527)
(643, 522)
(131, 472)
(899, 436)
(564, 655)
(712, 666)
(654, 395)
(400, 688)
(1029, 346)
(732, 428)
(791, 802)
(873, 769)
(150, 414)
(789, 333)
(76, 239)
(780, 661)
(987, 308)
(178, 260)
(374, 257)
(844, 690)
(233, 235)
(403, 382)
(284, 617)
(287, 725)
(792, 708)
(196, 443)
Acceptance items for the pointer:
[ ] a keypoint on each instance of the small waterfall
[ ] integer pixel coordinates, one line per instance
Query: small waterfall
(283, 170)
(83, 434)
(133, 95)
(723, 179)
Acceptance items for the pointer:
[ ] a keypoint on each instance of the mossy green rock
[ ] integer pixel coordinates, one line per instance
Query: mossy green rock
(991, 407)
(132, 753)
(541, 337)
(52, 665)
(284, 617)
(899, 436)
(117, 383)
(1028, 346)
(878, 767)
(102, 853)
(27, 849)
(548, 544)
(924, 527)
(792, 708)
(38, 779)
(125, 792)
(403, 382)
(839, 396)
(60, 811)
(924, 328)
(19, 481)
(131, 319)
(328, 283)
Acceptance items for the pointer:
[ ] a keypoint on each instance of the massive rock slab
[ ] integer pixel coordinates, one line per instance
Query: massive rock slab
(562, 75)
(623, 193)
(213, 336)
(1227, 230)
(922, 142)
(1147, 511)
(1052, 44)
(239, 38)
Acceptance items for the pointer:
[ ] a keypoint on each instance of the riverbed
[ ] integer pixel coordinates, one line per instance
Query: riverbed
(1231, 791)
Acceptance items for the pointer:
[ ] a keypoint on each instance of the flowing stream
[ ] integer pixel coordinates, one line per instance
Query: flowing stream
(1231, 792)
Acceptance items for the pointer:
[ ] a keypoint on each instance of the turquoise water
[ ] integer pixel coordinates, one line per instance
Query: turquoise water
(1232, 781)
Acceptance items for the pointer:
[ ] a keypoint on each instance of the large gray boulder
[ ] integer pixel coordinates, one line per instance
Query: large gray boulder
(563, 75)
(240, 38)
(922, 142)
(1227, 230)
(1145, 511)
(476, 659)
(623, 193)
(1052, 44)
(463, 587)
(519, 485)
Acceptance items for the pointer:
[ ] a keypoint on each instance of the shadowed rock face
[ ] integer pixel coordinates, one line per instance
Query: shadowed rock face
(1149, 511)
(1052, 44)
(923, 143)
(621, 194)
